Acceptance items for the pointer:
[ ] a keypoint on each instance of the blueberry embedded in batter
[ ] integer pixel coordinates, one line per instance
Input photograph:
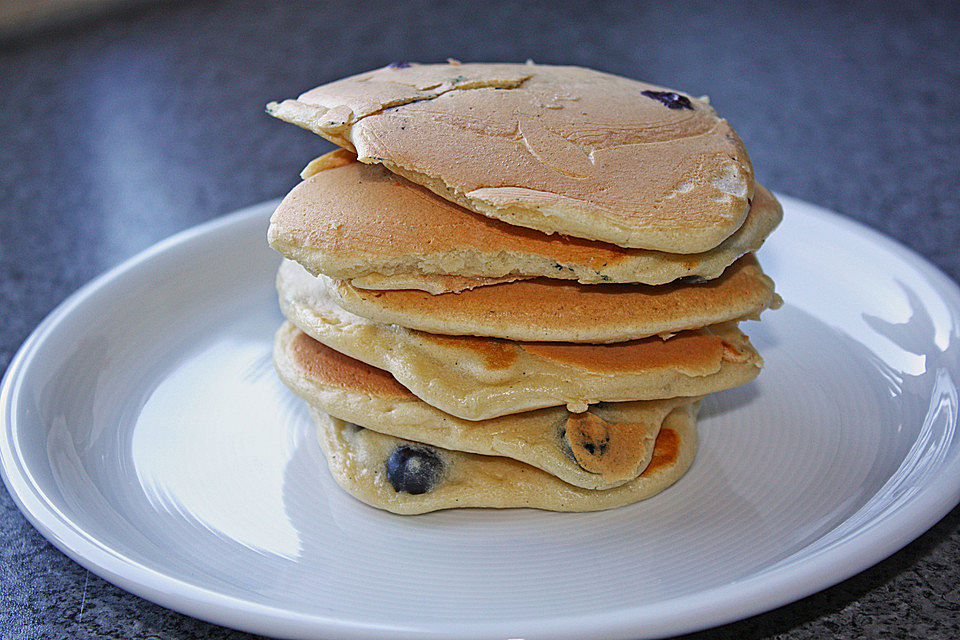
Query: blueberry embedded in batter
(614, 451)
(670, 99)
(414, 470)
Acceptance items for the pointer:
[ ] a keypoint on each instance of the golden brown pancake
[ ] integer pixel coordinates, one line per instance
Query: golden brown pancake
(408, 477)
(481, 378)
(604, 447)
(559, 149)
(563, 311)
(431, 283)
(360, 222)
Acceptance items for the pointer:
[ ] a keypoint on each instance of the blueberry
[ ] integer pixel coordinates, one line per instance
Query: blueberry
(398, 65)
(670, 99)
(414, 470)
(595, 447)
(565, 444)
(599, 447)
(586, 438)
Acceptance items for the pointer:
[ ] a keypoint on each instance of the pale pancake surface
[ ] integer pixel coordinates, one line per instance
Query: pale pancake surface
(604, 447)
(555, 148)
(480, 378)
(360, 222)
(357, 459)
(563, 311)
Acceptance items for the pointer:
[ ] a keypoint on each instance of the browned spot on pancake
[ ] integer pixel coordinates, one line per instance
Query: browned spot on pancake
(332, 368)
(611, 450)
(734, 353)
(666, 450)
(496, 353)
(689, 349)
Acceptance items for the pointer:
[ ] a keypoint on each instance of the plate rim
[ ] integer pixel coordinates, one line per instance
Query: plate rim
(749, 596)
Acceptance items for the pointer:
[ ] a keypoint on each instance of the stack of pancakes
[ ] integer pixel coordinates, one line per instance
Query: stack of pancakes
(514, 283)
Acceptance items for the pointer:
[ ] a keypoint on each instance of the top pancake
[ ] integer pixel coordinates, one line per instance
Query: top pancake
(360, 222)
(559, 149)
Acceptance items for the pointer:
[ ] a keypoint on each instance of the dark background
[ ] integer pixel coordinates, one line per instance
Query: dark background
(122, 127)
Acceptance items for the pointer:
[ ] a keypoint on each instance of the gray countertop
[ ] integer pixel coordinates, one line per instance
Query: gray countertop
(126, 128)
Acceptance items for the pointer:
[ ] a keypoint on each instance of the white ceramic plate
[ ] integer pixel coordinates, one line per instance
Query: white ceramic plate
(146, 436)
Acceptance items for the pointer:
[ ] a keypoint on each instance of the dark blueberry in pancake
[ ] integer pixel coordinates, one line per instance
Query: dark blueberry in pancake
(670, 99)
(414, 470)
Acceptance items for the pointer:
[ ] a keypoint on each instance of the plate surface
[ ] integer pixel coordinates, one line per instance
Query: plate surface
(147, 437)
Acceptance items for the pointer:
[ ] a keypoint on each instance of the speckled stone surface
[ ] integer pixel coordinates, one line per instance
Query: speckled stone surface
(120, 131)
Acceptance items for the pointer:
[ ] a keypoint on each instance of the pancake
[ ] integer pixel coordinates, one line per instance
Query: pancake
(481, 378)
(431, 283)
(362, 223)
(372, 467)
(554, 148)
(599, 449)
(551, 310)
